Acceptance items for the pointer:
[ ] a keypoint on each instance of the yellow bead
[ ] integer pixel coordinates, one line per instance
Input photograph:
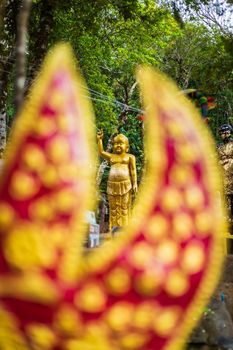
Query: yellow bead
(144, 315)
(44, 126)
(175, 130)
(118, 281)
(185, 153)
(157, 227)
(65, 200)
(49, 177)
(182, 226)
(167, 251)
(23, 186)
(41, 336)
(166, 320)
(133, 341)
(57, 101)
(7, 215)
(177, 283)
(194, 198)
(68, 321)
(41, 209)
(34, 158)
(149, 282)
(204, 223)
(91, 298)
(120, 316)
(141, 254)
(58, 150)
(58, 234)
(193, 257)
(96, 340)
(171, 199)
(181, 175)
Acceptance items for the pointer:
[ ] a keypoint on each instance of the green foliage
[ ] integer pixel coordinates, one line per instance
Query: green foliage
(111, 38)
(200, 58)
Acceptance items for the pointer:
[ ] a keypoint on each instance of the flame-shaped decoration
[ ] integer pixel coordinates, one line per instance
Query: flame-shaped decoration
(146, 289)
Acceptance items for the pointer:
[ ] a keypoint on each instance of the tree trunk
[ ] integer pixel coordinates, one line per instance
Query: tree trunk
(9, 10)
(2, 133)
(21, 47)
(40, 35)
(2, 10)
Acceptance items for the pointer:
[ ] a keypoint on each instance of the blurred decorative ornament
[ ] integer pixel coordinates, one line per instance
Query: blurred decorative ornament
(211, 103)
(141, 117)
(146, 289)
(204, 103)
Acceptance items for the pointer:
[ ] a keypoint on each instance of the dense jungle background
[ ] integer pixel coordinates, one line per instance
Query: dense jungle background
(190, 40)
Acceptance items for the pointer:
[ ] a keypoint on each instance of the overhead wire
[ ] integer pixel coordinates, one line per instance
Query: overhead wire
(98, 97)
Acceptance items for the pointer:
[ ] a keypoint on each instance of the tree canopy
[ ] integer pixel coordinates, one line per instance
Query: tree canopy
(111, 38)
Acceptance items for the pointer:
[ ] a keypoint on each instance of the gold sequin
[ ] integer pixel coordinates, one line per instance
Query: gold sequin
(133, 341)
(157, 227)
(7, 215)
(171, 199)
(23, 186)
(120, 316)
(34, 158)
(177, 283)
(194, 197)
(141, 254)
(91, 298)
(167, 251)
(58, 150)
(118, 281)
(182, 226)
(193, 257)
(203, 223)
(41, 336)
(67, 321)
(166, 320)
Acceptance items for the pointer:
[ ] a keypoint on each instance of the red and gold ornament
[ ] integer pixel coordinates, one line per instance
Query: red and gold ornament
(146, 289)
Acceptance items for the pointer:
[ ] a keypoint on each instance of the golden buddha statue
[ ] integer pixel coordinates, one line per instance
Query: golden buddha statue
(122, 180)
